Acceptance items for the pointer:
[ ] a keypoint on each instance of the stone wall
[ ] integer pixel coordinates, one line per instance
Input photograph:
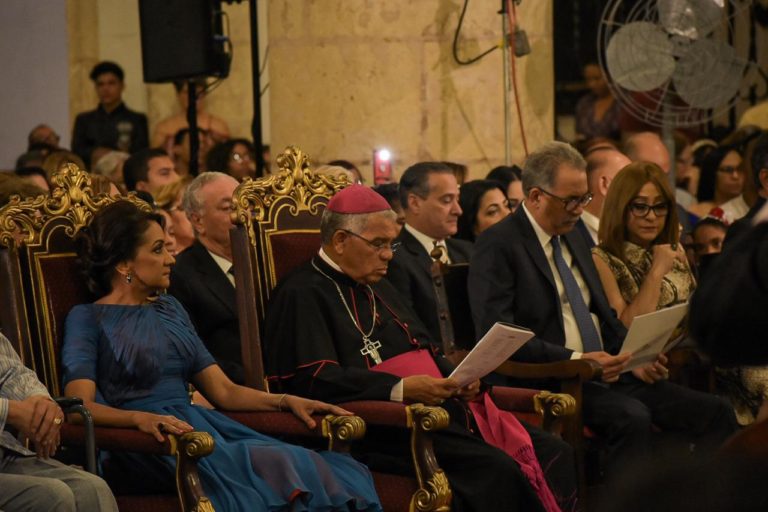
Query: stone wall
(349, 76)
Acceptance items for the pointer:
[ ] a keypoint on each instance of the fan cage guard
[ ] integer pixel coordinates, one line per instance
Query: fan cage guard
(661, 106)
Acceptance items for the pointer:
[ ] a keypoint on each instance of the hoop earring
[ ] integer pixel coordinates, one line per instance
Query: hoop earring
(129, 277)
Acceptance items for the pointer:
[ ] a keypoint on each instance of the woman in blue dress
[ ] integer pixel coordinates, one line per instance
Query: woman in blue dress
(131, 354)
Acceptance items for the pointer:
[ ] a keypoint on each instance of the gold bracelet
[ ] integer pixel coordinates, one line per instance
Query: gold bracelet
(280, 402)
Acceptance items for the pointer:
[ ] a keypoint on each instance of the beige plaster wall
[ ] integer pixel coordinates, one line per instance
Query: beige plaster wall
(349, 76)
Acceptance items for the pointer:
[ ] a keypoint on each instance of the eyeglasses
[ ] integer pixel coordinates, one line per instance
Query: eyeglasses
(730, 169)
(571, 203)
(240, 158)
(378, 247)
(641, 209)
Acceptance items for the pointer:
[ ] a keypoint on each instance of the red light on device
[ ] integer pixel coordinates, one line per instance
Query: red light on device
(382, 166)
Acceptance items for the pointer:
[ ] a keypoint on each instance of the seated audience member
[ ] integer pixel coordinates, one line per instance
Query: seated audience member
(203, 279)
(169, 198)
(111, 166)
(597, 112)
(358, 176)
(510, 177)
(111, 125)
(101, 185)
(722, 179)
(429, 194)
(11, 185)
(686, 173)
(165, 130)
(389, 192)
(313, 344)
(640, 260)
(32, 158)
(43, 134)
(132, 354)
(168, 231)
(182, 151)
(57, 159)
(34, 175)
(707, 240)
(459, 170)
(648, 147)
(33, 481)
(546, 281)
(148, 170)
(603, 164)
(235, 157)
(335, 171)
(483, 203)
(728, 310)
(759, 162)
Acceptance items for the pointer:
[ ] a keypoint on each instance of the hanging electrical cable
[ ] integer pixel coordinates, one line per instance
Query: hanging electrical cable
(512, 20)
(456, 41)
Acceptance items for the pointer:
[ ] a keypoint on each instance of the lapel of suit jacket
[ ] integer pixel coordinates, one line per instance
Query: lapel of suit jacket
(532, 245)
(416, 249)
(582, 256)
(457, 252)
(214, 279)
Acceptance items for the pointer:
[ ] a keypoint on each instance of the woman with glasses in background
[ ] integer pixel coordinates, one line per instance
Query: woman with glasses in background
(721, 185)
(640, 259)
(235, 157)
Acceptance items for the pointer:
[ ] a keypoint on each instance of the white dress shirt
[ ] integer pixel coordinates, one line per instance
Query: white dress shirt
(572, 334)
(429, 243)
(225, 266)
(593, 224)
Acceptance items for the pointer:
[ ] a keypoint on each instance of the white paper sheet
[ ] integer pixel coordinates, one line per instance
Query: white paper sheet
(649, 334)
(499, 343)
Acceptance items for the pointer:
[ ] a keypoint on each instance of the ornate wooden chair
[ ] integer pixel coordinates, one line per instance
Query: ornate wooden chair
(277, 228)
(38, 287)
(39, 284)
(458, 337)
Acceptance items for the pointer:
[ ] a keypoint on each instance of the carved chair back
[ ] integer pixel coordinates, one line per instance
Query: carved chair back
(277, 228)
(39, 277)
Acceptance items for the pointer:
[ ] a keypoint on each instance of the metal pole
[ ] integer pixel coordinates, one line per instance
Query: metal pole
(258, 142)
(194, 139)
(507, 84)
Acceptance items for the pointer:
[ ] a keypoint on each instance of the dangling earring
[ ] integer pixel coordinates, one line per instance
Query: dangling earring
(129, 277)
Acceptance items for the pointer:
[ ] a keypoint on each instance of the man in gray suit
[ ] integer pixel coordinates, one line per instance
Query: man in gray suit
(29, 482)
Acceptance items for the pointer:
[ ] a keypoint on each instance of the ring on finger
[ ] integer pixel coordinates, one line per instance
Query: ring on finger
(57, 421)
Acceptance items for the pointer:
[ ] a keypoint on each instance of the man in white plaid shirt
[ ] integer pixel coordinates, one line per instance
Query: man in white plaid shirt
(31, 480)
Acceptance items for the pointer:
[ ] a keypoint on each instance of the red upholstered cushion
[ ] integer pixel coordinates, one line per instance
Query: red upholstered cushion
(64, 289)
(292, 249)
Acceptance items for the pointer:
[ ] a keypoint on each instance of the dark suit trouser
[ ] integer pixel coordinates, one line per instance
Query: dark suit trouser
(622, 414)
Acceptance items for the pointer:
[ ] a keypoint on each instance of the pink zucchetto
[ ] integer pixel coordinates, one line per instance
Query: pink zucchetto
(357, 199)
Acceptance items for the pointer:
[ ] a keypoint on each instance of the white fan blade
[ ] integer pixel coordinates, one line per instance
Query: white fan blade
(693, 19)
(639, 56)
(708, 75)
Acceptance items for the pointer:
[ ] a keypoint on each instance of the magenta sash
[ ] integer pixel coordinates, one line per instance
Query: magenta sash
(499, 428)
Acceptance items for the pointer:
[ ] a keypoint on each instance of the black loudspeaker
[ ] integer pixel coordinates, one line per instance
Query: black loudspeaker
(182, 39)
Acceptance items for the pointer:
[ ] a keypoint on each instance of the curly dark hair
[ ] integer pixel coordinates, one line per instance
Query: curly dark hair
(113, 236)
(470, 195)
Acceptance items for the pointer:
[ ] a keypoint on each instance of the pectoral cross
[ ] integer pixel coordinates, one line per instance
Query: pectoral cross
(371, 348)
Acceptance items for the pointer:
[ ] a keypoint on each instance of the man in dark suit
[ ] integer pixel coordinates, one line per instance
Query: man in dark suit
(202, 278)
(534, 270)
(429, 195)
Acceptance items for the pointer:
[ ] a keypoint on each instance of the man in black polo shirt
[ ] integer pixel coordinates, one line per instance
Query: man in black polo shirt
(111, 126)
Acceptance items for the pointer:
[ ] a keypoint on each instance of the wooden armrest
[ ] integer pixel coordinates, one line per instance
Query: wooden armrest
(187, 448)
(434, 492)
(339, 430)
(581, 369)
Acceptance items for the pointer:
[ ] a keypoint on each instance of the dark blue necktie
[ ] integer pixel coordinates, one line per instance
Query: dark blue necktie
(589, 337)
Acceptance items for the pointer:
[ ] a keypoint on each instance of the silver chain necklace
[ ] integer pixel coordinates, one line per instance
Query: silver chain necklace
(370, 348)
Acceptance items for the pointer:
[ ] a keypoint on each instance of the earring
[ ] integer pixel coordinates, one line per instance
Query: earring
(129, 277)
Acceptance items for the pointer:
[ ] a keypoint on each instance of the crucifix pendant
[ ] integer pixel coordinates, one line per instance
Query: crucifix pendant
(371, 348)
